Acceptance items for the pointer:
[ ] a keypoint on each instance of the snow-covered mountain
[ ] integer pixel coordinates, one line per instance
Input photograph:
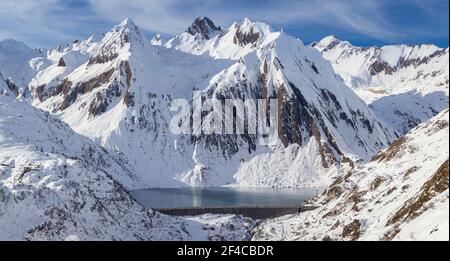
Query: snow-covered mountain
(57, 185)
(117, 91)
(240, 39)
(18, 65)
(404, 85)
(92, 122)
(402, 194)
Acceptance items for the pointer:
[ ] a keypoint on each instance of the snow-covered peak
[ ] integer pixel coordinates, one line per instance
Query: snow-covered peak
(405, 84)
(128, 32)
(330, 42)
(127, 23)
(326, 41)
(12, 44)
(238, 40)
(329, 39)
(125, 34)
(15, 67)
(249, 32)
(119, 42)
(156, 40)
(205, 27)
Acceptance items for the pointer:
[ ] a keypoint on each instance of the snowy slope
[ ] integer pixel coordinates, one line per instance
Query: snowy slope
(402, 194)
(404, 85)
(57, 185)
(118, 94)
(18, 65)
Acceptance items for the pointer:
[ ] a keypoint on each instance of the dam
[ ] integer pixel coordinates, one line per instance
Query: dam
(251, 212)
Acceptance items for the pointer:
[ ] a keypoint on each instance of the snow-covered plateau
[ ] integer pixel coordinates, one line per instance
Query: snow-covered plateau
(83, 124)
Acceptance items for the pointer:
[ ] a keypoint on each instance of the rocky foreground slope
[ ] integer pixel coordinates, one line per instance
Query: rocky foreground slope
(402, 194)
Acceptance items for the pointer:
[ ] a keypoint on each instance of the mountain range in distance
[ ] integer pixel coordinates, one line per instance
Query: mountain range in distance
(89, 121)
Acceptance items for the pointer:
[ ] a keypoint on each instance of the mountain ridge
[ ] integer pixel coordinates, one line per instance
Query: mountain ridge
(92, 121)
(403, 84)
(107, 91)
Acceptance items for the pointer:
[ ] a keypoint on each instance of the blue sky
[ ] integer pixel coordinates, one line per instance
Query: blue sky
(47, 23)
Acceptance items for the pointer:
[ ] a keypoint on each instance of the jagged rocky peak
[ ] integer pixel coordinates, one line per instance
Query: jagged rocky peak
(204, 27)
(248, 32)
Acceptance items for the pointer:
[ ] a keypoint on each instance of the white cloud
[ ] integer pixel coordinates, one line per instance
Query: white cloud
(173, 16)
(366, 18)
(39, 22)
(25, 14)
(154, 15)
(50, 21)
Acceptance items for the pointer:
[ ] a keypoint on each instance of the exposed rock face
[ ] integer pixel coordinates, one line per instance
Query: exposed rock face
(381, 66)
(70, 93)
(244, 38)
(417, 61)
(352, 231)
(204, 27)
(12, 87)
(102, 58)
(61, 62)
(436, 185)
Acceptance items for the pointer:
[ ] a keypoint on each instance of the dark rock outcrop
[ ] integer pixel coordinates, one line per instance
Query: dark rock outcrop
(203, 26)
(61, 62)
(245, 38)
(381, 66)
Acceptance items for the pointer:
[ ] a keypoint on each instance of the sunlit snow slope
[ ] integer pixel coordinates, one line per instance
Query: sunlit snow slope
(404, 85)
